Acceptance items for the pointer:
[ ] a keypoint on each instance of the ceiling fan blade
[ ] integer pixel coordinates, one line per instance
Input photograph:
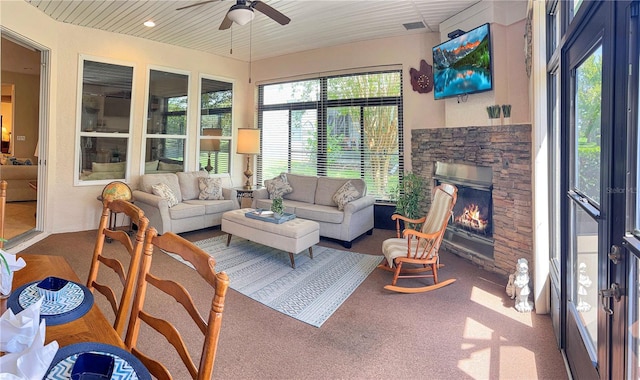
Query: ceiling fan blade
(196, 4)
(226, 23)
(271, 12)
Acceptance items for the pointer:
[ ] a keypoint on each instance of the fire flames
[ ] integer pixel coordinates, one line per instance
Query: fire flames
(471, 218)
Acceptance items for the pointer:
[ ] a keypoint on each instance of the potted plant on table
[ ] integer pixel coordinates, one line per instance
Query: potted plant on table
(277, 207)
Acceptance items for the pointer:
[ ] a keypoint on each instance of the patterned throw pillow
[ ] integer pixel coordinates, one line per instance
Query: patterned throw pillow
(164, 191)
(345, 194)
(210, 188)
(279, 186)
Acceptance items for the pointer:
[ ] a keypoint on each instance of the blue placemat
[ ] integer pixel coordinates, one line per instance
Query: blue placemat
(125, 366)
(76, 301)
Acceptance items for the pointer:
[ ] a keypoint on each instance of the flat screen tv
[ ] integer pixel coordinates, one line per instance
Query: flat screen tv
(462, 65)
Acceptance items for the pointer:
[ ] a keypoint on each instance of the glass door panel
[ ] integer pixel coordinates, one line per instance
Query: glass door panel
(584, 289)
(587, 116)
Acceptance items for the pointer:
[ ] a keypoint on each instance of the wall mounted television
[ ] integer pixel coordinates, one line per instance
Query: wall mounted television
(462, 65)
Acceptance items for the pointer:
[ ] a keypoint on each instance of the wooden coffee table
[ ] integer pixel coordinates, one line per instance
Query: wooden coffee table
(293, 236)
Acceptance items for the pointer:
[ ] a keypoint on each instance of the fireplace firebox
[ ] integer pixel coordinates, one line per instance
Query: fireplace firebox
(471, 228)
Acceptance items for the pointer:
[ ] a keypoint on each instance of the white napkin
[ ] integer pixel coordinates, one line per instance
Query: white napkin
(13, 264)
(17, 331)
(33, 362)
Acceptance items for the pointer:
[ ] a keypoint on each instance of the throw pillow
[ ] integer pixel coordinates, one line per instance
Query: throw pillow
(345, 194)
(279, 186)
(210, 188)
(164, 191)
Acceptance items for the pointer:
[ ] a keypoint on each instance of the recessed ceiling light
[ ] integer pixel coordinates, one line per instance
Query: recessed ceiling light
(149, 24)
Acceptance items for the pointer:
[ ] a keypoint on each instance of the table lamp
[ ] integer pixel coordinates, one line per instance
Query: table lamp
(249, 144)
(211, 145)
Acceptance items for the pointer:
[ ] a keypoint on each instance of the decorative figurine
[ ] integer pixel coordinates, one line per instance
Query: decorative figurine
(510, 288)
(521, 283)
(584, 283)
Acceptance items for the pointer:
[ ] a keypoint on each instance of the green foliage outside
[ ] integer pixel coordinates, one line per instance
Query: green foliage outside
(588, 125)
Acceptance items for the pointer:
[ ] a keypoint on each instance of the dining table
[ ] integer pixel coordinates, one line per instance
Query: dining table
(91, 327)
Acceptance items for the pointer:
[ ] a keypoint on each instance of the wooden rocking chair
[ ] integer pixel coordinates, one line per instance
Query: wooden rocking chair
(420, 249)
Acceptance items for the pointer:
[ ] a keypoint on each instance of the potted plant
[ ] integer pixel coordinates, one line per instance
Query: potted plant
(277, 207)
(409, 195)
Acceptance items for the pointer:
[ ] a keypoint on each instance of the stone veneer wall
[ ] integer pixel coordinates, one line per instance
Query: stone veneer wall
(507, 149)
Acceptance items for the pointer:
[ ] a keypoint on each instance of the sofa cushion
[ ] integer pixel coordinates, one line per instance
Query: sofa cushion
(151, 166)
(171, 179)
(214, 206)
(319, 213)
(101, 175)
(278, 186)
(345, 194)
(210, 188)
(108, 166)
(189, 186)
(185, 210)
(304, 187)
(164, 191)
(170, 167)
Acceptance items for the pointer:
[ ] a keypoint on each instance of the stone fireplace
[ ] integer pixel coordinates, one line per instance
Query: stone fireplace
(471, 227)
(505, 231)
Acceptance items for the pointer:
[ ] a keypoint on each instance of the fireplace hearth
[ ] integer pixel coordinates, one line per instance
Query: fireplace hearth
(472, 226)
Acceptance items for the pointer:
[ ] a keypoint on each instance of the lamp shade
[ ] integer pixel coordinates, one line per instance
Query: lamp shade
(240, 14)
(248, 141)
(210, 145)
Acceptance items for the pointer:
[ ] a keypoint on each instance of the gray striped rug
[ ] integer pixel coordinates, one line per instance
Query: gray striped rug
(310, 293)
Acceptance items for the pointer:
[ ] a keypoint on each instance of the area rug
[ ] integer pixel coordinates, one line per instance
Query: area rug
(310, 293)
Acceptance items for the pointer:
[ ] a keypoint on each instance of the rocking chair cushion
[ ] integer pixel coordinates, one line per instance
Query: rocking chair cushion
(439, 212)
(396, 247)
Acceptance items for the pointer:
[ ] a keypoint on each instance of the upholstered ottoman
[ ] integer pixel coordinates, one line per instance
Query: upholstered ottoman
(293, 236)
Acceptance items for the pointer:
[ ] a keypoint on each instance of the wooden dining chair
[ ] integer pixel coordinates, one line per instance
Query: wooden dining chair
(205, 267)
(134, 249)
(3, 206)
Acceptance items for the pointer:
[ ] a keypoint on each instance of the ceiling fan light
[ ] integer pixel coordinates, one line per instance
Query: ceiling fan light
(240, 14)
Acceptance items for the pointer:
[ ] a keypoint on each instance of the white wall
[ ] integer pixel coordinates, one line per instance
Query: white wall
(75, 208)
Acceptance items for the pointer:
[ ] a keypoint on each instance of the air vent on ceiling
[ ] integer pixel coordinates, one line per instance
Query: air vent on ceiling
(414, 25)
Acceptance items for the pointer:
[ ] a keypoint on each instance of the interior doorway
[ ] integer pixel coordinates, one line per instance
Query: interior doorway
(23, 79)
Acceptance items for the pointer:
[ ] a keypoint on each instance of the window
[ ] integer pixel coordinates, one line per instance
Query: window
(216, 99)
(339, 126)
(104, 121)
(166, 122)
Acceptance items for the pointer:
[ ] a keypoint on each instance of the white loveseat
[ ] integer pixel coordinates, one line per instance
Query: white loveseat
(312, 199)
(190, 213)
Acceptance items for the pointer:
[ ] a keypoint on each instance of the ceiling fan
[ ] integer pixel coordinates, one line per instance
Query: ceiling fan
(242, 12)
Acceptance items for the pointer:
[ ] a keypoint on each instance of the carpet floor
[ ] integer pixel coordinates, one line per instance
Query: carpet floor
(311, 293)
(467, 330)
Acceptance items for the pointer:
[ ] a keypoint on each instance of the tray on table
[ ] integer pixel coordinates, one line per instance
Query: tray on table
(268, 216)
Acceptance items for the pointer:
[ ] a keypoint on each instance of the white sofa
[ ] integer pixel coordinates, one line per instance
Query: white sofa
(18, 178)
(190, 213)
(311, 199)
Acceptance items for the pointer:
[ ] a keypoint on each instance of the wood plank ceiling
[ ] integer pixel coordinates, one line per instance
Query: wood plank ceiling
(314, 23)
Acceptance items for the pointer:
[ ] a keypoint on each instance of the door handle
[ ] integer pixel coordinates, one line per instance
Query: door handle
(605, 294)
(615, 254)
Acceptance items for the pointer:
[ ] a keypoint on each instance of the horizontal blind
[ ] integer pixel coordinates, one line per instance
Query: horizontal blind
(346, 126)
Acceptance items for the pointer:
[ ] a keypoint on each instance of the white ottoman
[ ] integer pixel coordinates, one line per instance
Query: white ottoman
(293, 236)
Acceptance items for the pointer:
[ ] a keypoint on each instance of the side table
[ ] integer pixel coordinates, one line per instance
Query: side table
(245, 196)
